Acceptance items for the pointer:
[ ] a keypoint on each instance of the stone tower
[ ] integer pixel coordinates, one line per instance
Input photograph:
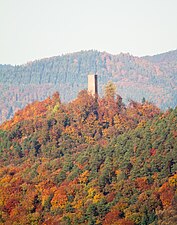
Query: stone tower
(93, 84)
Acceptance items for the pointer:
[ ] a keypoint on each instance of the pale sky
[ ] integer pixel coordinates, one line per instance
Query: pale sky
(35, 29)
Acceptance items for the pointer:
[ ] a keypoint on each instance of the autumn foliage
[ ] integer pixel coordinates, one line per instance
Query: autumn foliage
(91, 161)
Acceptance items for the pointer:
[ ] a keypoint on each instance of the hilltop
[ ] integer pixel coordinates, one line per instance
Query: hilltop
(152, 77)
(89, 162)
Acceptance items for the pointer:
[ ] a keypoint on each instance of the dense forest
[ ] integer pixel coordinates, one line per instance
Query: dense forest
(89, 161)
(152, 77)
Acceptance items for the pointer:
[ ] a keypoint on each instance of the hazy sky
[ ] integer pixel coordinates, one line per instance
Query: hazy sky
(34, 29)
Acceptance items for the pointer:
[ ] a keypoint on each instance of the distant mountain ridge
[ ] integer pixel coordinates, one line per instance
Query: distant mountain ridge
(163, 57)
(152, 77)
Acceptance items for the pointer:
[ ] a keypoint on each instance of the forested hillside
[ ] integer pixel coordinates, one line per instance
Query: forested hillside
(151, 77)
(89, 162)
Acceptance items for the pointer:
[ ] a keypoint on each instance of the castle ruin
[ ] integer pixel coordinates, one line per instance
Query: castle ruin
(93, 84)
